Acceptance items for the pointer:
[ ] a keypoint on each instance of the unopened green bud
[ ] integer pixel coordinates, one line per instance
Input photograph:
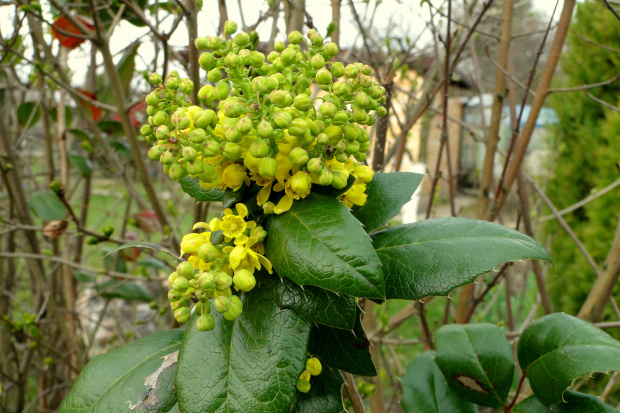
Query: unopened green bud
(174, 296)
(279, 47)
(367, 70)
(322, 139)
(214, 42)
(201, 43)
(268, 208)
(166, 158)
(381, 111)
(273, 56)
(331, 49)
(208, 253)
(298, 127)
(283, 119)
(205, 322)
(182, 314)
(342, 89)
(314, 165)
(146, 130)
(359, 114)
(208, 174)
(186, 86)
(328, 109)
(235, 309)
(214, 75)
(194, 167)
(340, 180)
(334, 133)
(352, 147)
(313, 366)
(325, 177)
(259, 148)
(207, 61)
(280, 98)
(222, 90)
(323, 77)
(231, 151)
(256, 59)
(316, 39)
(155, 152)
(173, 83)
(295, 37)
(298, 156)
(221, 304)
(265, 130)
(288, 56)
(303, 385)
(162, 132)
(365, 81)
(244, 280)
(364, 146)
(302, 102)
(361, 157)
(259, 233)
(152, 98)
(206, 281)
(180, 120)
(155, 79)
(189, 153)
(211, 148)
(351, 132)
(301, 182)
(207, 94)
(161, 118)
(245, 126)
(180, 284)
(361, 99)
(223, 281)
(230, 27)
(197, 136)
(267, 167)
(241, 39)
(185, 270)
(205, 119)
(351, 71)
(233, 110)
(176, 172)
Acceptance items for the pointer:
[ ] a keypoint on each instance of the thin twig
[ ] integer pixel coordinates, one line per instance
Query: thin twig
(352, 393)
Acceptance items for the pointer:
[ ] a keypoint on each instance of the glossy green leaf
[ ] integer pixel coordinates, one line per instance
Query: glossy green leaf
(191, 186)
(113, 127)
(342, 349)
(142, 244)
(425, 389)
(121, 147)
(84, 276)
(313, 304)
(161, 395)
(124, 290)
(47, 206)
(558, 348)
(111, 380)
(28, 114)
(83, 164)
(248, 365)
(318, 242)
(325, 395)
(387, 193)
(435, 256)
(575, 403)
(476, 359)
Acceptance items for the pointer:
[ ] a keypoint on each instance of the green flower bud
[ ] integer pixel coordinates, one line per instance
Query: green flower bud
(172, 277)
(279, 47)
(180, 284)
(259, 148)
(194, 167)
(233, 110)
(167, 158)
(214, 75)
(341, 116)
(361, 99)
(268, 207)
(324, 77)
(315, 165)
(351, 132)
(197, 136)
(256, 59)
(316, 39)
(375, 92)
(173, 83)
(223, 281)
(331, 49)
(172, 74)
(352, 147)
(221, 304)
(155, 152)
(185, 270)
(211, 148)
(381, 111)
(230, 27)
(365, 81)
(265, 130)
(282, 120)
(313, 366)
(342, 89)
(322, 139)
(242, 39)
(174, 296)
(267, 167)
(280, 98)
(235, 309)
(205, 119)
(207, 61)
(298, 127)
(328, 109)
(325, 177)
(151, 110)
(302, 102)
(222, 90)
(186, 86)
(180, 120)
(317, 62)
(161, 118)
(367, 70)
(340, 180)
(334, 133)
(214, 42)
(298, 156)
(231, 151)
(303, 385)
(182, 314)
(337, 70)
(208, 174)
(244, 126)
(364, 147)
(273, 56)
(359, 114)
(288, 56)
(206, 281)
(146, 130)
(205, 322)
(189, 153)
(232, 135)
(207, 94)
(301, 182)
(208, 253)
(152, 98)
(155, 79)
(162, 132)
(233, 60)
(351, 71)
(177, 172)
(259, 233)
(201, 43)
(295, 37)
(370, 120)
(244, 280)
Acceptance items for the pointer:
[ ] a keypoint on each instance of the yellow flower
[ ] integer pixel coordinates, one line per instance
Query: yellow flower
(234, 176)
(355, 195)
(232, 225)
(285, 203)
(192, 242)
(244, 250)
(363, 173)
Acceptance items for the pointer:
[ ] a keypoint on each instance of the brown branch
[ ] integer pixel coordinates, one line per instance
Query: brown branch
(584, 87)
(602, 102)
(593, 43)
(352, 393)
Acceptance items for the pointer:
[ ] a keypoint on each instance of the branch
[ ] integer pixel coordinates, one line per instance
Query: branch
(602, 102)
(352, 393)
(584, 87)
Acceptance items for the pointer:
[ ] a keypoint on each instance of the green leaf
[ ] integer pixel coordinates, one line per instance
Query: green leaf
(83, 164)
(558, 348)
(142, 244)
(248, 365)
(342, 349)
(435, 256)
(24, 113)
(191, 186)
(121, 147)
(47, 206)
(84, 276)
(161, 396)
(575, 403)
(425, 389)
(124, 290)
(80, 134)
(313, 304)
(325, 395)
(476, 359)
(111, 127)
(318, 242)
(112, 379)
(387, 193)
(151, 262)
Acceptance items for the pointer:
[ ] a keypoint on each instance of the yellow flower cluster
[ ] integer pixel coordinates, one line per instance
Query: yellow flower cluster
(211, 272)
(313, 368)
